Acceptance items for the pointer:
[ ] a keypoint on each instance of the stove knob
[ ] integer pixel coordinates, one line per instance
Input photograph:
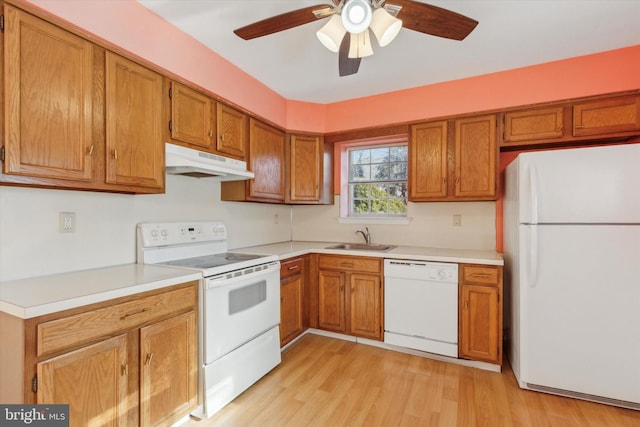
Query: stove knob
(164, 232)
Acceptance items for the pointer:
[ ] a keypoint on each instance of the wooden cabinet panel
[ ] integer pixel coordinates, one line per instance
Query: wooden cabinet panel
(57, 335)
(476, 157)
(49, 100)
(93, 379)
(331, 301)
(232, 131)
(479, 323)
(366, 306)
(607, 116)
(351, 263)
(135, 148)
(304, 157)
(428, 161)
(480, 313)
(291, 307)
(266, 160)
(533, 124)
(168, 369)
(192, 117)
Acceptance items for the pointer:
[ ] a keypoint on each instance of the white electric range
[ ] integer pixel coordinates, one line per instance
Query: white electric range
(239, 310)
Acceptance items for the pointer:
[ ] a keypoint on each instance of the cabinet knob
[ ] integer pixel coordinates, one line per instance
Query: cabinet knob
(91, 150)
(124, 369)
(148, 359)
(115, 154)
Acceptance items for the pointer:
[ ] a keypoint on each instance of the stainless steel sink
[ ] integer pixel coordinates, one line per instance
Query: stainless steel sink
(361, 247)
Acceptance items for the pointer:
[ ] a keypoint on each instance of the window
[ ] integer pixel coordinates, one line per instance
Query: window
(378, 180)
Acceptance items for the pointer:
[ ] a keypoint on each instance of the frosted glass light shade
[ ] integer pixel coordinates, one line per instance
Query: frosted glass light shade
(356, 16)
(332, 33)
(360, 45)
(385, 26)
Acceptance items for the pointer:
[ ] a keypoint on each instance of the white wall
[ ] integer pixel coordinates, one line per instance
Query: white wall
(431, 225)
(31, 245)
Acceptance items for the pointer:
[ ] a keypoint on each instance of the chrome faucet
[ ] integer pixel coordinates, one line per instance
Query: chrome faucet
(366, 235)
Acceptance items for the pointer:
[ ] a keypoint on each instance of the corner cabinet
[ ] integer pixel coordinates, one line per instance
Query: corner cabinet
(480, 313)
(453, 160)
(309, 170)
(350, 295)
(130, 361)
(75, 115)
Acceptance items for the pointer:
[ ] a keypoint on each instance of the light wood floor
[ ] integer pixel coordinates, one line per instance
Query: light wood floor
(329, 382)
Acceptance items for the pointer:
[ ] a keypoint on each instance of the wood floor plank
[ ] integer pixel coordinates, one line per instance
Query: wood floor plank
(327, 382)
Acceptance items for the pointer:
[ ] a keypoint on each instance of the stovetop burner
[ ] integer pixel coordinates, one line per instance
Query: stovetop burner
(214, 260)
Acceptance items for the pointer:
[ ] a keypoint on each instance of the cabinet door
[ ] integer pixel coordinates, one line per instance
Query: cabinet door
(365, 306)
(479, 323)
(305, 168)
(48, 100)
(168, 369)
(291, 303)
(92, 380)
(475, 157)
(534, 124)
(266, 160)
(232, 131)
(192, 117)
(331, 303)
(428, 161)
(614, 115)
(135, 149)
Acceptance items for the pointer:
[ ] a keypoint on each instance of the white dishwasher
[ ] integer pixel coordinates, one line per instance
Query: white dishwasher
(421, 305)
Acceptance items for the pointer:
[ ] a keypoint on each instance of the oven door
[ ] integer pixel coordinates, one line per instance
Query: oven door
(238, 307)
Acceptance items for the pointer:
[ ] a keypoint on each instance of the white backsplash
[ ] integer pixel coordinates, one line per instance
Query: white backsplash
(31, 245)
(431, 225)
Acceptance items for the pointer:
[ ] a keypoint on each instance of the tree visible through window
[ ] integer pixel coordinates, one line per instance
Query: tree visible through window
(378, 180)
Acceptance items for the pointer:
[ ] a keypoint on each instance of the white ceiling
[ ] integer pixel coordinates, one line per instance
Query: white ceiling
(510, 34)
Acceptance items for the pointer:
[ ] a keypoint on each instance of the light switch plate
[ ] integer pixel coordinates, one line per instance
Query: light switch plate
(457, 220)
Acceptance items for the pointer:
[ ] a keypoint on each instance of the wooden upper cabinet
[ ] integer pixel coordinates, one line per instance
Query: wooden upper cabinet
(192, 119)
(607, 116)
(48, 106)
(533, 124)
(476, 157)
(428, 161)
(267, 162)
(232, 131)
(304, 166)
(135, 148)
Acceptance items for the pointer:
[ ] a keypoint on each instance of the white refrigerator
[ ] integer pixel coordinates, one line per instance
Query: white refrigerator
(572, 257)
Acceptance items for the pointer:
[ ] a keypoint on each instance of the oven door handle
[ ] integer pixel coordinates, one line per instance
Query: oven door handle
(224, 280)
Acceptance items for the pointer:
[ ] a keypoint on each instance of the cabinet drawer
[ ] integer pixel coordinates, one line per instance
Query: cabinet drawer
(351, 263)
(480, 274)
(291, 267)
(81, 328)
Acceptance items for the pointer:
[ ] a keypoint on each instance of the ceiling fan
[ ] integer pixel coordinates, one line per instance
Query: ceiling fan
(348, 30)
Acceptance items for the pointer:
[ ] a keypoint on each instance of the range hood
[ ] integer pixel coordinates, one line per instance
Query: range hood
(199, 164)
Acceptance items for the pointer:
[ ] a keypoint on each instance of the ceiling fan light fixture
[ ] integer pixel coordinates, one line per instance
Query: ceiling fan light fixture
(385, 26)
(332, 33)
(356, 16)
(360, 45)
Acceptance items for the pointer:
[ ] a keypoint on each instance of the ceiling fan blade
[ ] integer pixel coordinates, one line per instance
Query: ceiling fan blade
(346, 65)
(434, 20)
(280, 22)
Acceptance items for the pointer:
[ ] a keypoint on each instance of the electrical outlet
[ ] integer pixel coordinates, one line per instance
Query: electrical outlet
(67, 222)
(457, 220)
(276, 219)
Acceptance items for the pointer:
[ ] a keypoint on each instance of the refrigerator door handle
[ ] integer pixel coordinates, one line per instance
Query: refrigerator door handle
(533, 194)
(533, 256)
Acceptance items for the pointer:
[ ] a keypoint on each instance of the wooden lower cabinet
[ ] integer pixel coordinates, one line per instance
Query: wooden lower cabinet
(480, 313)
(129, 361)
(293, 307)
(350, 295)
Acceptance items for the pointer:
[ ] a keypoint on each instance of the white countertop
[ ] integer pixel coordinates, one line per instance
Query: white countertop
(27, 298)
(296, 248)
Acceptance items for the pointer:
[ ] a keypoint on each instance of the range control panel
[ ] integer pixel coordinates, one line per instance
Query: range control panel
(178, 233)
